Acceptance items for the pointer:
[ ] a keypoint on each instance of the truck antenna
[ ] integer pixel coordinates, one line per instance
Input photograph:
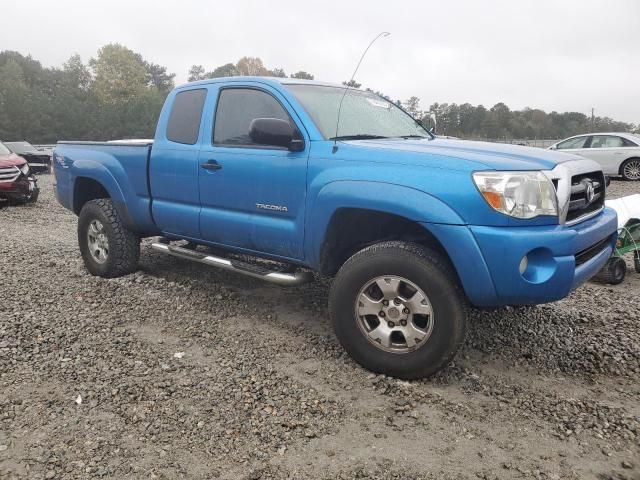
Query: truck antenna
(348, 86)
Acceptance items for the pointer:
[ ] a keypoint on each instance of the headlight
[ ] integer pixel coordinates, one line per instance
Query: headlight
(518, 194)
(25, 169)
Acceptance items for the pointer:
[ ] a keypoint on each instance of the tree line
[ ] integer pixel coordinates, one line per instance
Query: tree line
(119, 94)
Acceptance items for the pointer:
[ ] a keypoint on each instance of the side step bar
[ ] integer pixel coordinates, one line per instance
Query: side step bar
(290, 279)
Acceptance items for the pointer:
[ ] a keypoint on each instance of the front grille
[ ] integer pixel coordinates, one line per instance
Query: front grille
(33, 158)
(588, 253)
(9, 174)
(587, 194)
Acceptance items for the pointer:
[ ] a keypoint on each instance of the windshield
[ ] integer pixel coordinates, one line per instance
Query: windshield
(21, 147)
(364, 114)
(4, 150)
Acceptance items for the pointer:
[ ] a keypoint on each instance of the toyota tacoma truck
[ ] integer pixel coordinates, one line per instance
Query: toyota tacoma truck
(412, 228)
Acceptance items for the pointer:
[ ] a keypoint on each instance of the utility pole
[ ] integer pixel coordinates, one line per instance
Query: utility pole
(593, 120)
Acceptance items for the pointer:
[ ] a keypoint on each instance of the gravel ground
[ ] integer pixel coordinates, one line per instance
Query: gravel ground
(180, 370)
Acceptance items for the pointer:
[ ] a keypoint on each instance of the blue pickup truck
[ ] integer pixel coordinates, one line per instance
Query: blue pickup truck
(412, 228)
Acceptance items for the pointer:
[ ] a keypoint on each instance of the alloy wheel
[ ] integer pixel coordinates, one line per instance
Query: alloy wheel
(632, 170)
(97, 241)
(394, 314)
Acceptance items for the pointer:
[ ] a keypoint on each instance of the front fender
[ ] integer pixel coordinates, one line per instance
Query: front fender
(406, 202)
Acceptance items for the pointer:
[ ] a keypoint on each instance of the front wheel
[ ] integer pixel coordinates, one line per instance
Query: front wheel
(397, 309)
(108, 248)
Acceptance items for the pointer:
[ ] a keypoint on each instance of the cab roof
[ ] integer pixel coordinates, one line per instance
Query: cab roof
(273, 81)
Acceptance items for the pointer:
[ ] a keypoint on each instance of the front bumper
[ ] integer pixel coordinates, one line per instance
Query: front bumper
(487, 259)
(20, 189)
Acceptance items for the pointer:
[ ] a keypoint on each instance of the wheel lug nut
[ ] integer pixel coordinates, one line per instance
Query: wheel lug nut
(403, 323)
(406, 310)
(397, 301)
(385, 302)
(381, 314)
(391, 324)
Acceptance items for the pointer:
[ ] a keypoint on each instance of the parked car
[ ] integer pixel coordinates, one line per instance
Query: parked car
(17, 184)
(46, 149)
(38, 160)
(616, 153)
(412, 228)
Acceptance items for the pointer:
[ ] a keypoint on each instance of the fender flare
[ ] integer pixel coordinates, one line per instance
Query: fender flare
(410, 203)
(99, 173)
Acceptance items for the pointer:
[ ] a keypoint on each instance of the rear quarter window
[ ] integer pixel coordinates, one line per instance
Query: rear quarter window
(186, 113)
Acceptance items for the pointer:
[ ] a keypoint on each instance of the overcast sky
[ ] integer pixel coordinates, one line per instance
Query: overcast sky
(550, 54)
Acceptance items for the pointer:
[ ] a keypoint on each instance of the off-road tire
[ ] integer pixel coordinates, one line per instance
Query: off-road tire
(124, 245)
(613, 271)
(433, 275)
(636, 260)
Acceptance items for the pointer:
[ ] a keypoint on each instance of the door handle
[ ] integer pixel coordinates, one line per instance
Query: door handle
(211, 165)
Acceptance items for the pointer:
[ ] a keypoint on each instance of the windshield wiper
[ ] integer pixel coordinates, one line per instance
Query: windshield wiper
(361, 136)
(406, 137)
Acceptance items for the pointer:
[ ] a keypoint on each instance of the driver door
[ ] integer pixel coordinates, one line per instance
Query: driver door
(252, 196)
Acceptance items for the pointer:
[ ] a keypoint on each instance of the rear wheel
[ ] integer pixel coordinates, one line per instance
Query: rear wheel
(397, 309)
(613, 271)
(630, 169)
(108, 248)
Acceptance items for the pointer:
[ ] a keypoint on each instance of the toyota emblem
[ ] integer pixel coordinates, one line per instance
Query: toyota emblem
(590, 192)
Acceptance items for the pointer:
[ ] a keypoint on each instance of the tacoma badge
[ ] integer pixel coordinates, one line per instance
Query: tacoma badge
(277, 208)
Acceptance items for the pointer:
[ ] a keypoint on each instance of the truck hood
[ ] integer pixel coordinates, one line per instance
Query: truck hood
(11, 160)
(467, 155)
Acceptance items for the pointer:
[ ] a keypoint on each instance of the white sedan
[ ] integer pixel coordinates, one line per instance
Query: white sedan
(617, 153)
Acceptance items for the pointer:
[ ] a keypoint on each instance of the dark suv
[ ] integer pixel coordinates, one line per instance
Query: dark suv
(17, 184)
(39, 161)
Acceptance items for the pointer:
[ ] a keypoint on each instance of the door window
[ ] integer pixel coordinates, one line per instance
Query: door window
(186, 113)
(237, 108)
(606, 141)
(577, 142)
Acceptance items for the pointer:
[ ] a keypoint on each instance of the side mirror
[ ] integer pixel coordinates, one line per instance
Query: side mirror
(275, 132)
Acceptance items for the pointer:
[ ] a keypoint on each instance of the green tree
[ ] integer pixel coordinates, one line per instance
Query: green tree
(302, 75)
(277, 72)
(15, 102)
(77, 73)
(352, 83)
(226, 70)
(412, 106)
(119, 74)
(196, 72)
(159, 78)
(251, 66)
